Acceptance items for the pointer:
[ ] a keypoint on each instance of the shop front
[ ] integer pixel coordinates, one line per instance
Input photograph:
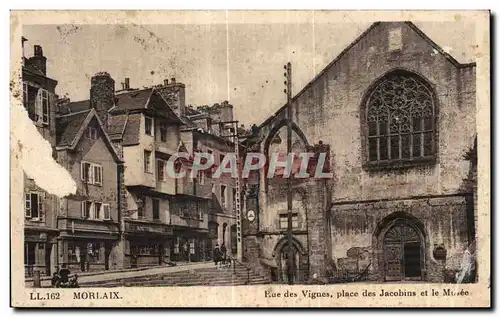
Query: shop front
(189, 245)
(86, 246)
(39, 251)
(87, 254)
(147, 243)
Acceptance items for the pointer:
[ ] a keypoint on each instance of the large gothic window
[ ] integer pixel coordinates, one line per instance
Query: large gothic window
(400, 119)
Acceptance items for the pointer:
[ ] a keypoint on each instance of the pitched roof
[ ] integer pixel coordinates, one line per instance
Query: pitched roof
(131, 131)
(77, 106)
(73, 126)
(133, 100)
(339, 56)
(116, 125)
(68, 127)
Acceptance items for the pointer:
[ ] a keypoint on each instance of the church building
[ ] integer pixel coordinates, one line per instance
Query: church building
(396, 115)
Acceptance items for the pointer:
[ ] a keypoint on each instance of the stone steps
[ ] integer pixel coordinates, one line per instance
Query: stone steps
(207, 276)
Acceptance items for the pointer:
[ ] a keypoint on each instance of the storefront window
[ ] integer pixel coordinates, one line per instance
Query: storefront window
(176, 245)
(73, 253)
(93, 251)
(29, 253)
(191, 246)
(146, 249)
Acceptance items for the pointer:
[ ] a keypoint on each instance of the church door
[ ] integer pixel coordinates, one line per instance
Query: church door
(402, 253)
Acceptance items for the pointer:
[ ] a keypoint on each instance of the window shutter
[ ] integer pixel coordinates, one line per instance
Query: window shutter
(97, 178)
(106, 214)
(41, 200)
(45, 106)
(27, 205)
(38, 106)
(86, 209)
(91, 174)
(86, 172)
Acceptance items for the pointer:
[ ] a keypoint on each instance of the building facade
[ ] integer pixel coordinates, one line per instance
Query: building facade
(398, 116)
(89, 220)
(211, 130)
(40, 229)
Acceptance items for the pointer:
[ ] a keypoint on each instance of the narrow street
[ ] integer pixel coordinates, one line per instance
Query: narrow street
(187, 274)
(104, 276)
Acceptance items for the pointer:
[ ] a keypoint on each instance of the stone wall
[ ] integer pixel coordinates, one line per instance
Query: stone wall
(361, 224)
(329, 109)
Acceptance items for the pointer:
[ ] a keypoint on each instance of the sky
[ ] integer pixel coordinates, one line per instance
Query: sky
(238, 62)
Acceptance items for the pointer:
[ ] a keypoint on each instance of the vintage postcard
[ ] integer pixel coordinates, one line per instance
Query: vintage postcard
(250, 159)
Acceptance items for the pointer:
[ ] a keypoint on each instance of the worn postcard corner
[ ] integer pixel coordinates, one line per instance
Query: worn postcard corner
(250, 159)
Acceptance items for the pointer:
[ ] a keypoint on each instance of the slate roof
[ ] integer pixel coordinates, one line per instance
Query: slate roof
(78, 106)
(68, 127)
(133, 100)
(32, 68)
(116, 125)
(132, 129)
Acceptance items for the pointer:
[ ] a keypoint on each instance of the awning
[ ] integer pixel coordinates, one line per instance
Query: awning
(269, 263)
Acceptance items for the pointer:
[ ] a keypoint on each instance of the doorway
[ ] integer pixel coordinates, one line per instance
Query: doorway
(283, 265)
(403, 253)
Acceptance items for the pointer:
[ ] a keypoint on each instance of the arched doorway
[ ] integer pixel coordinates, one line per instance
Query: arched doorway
(299, 265)
(283, 264)
(403, 252)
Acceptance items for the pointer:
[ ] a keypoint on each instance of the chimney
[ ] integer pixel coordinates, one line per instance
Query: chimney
(38, 60)
(102, 93)
(38, 50)
(127, 83)
(177, 93)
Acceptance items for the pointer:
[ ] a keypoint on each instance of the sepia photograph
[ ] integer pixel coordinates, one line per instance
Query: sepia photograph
(294, 155)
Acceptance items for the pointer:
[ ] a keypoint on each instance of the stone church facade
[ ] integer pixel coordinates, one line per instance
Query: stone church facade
(396, 115)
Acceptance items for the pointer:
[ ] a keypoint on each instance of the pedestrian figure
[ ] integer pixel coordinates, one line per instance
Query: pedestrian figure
(223, 251)
(55, 279)
(467, 272)
(216, 254)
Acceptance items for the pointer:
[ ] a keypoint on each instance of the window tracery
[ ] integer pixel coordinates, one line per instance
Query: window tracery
(400, 118)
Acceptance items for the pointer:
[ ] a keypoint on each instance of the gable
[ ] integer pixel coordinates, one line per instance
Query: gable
(76, 130)
(374, 44)
(157, 103)
(95, 150)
